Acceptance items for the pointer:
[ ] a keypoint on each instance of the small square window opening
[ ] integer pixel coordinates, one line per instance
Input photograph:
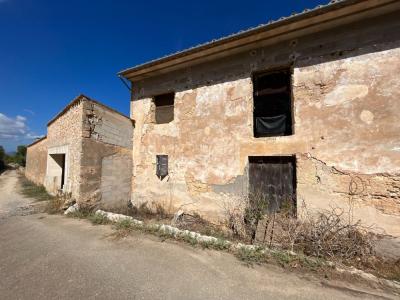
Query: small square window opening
(162, 166)
(164, 108)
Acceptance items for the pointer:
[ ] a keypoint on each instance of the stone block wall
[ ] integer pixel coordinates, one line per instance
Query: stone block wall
(105, 125)
(106, 165)
(97, 144)
(36, 161)
(346, 138)
(64, 135)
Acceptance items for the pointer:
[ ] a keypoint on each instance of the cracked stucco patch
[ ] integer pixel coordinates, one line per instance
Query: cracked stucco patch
(380, 190)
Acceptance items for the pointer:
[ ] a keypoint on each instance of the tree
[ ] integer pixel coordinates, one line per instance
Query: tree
(19, 157)
(2, 158)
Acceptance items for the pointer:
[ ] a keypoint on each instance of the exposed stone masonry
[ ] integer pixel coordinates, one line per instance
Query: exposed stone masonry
(97, 144)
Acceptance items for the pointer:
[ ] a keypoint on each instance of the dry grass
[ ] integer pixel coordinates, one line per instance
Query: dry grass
(54, 206)
(250, 256)
(297, 237)
(194, 222)
(235, 210)
(32, 190)
(284, 259)
(309, 240)
(125, 227)
(385, 268)
(98, 219)
(38, 192)
(329, 234)
(89, 214)
(305, 243)
(144, 212)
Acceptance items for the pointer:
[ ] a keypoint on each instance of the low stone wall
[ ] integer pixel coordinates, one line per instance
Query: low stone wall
(36, 161)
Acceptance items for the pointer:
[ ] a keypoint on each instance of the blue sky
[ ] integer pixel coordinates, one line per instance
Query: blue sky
(51, 51)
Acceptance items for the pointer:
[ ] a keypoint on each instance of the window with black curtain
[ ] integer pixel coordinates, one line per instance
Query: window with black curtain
(272, 114)
(164, 112)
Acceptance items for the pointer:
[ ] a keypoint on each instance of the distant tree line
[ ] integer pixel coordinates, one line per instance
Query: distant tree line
(2, 158)
(19, 157)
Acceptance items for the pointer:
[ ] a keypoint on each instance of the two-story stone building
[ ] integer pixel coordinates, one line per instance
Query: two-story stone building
(304, 108)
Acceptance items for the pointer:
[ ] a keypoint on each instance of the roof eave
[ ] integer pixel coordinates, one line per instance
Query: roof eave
(37, 141)
(344, 10)
(77, 100)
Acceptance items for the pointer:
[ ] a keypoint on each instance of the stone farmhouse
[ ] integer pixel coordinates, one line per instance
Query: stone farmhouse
(302, 109)
(87, 154)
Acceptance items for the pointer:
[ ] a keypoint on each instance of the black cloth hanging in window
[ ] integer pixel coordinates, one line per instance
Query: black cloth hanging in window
(270, 126)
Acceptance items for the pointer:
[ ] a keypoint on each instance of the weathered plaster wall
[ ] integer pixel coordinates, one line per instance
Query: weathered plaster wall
(106, 165)
(36, 162)
(346, 138)
(64, 136)
(116, 174)
(355, 134)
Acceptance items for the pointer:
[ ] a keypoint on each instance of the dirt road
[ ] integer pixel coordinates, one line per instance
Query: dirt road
(11, 202)
(53, 257)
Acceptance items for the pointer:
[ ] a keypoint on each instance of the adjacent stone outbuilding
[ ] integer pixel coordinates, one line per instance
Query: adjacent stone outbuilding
(87, 154)
(312, 99)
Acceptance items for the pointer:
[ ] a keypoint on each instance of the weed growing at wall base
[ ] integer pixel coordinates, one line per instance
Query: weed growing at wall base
(32, 190)
(38, 192)
(251, 256)
(95, 219)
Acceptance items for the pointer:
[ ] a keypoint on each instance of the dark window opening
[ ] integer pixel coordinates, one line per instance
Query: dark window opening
(272, 179)
(272, 103)
(63, 171)
(59, 169)
(162, 166)
(164, 108)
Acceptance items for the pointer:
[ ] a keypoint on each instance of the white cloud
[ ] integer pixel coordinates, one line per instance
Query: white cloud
(28, 110)
(14, 128)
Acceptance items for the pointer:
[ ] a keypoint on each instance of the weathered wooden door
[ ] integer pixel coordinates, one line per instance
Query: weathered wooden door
(273, 180)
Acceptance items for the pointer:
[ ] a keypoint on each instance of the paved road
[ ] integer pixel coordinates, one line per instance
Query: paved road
(53, 257)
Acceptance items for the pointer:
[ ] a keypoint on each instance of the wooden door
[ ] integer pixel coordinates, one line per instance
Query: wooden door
(273, 180)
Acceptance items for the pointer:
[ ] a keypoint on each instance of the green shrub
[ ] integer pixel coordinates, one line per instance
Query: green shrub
(19, 157)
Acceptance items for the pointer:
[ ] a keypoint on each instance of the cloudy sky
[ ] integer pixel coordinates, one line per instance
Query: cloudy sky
(51, 51)
(14, 131)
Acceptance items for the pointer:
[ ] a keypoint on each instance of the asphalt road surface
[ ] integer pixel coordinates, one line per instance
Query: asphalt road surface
(53, 257)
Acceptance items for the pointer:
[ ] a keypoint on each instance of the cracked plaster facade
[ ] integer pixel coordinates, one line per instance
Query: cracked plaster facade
(346, 139)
